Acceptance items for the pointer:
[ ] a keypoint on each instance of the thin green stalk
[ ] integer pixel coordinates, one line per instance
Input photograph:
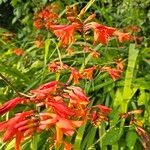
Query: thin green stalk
(102, 131)
(101, 138)
(88, 5)
(10, 84)
(88, 58)
(101, 85)
(46, 50)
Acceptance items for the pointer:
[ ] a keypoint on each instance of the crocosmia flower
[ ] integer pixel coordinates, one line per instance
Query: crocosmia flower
(18, 51)
(65, 32)
(10, 105)
(122, 37)
(11, 131)
(88, 73)
(101, 32)
(76, 75)
(114, 73)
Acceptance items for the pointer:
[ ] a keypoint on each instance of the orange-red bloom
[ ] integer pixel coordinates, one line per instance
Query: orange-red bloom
(114, 73)
(88, 73)
(120, 64)
(103, 109)
(65, 32)
(18, 51)
(70, 51)
(44, 90)
(122, 37)
(76, 75)
(60, 108)
(39, 43)
(10, 105)
(62, 125)
(67, 146)
(56, 66)
(67, 127)
(47, 14)
(101, 32)
(77, 96)
(9, 127)
(38, 24)
(46, 18)
(132, 28)
(95, 54)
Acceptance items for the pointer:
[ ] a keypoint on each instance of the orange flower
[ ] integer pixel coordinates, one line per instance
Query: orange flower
(122, 37)
(39, 43)
(44, 90)
(76, 75)
(10, 105)
(47, 14)
(48, 25)
(67, 146)
(114, 73)
(90, 18)
(38, 24)
(95, 54)
(101, 32)
(77, 96)
(120, 64)
(132, 28)
(18, 51)
(56, 66)
(65, 32)
(67, 127)
(62, 125)
(11, 131)
(87, 49)
(47, 120)
(88, 73)
(70, 51)
(103, 109)
(60, 108)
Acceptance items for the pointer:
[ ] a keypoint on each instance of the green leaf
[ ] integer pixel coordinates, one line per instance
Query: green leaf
(141, 98)
(34, 143)
(111, 136)
(87, 142)
(79, 137)
(26, 144)
(47, 44)
(131, 138)
(10, 146)
(133, 53)
(118, 98)
(128, 90)
(14, 2)
(14, 72)
(44, 1)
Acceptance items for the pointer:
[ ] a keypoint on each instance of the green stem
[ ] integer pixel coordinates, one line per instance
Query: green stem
(10, 84)
(102, 131)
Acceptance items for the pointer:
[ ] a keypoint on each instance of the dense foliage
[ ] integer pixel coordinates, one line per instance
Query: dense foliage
(75, 75)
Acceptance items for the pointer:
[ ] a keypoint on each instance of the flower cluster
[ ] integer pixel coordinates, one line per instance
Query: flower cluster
(75, 76)
(66, 33)
(60, 108)
(88, 73)
(46, 17)
(101, 33)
